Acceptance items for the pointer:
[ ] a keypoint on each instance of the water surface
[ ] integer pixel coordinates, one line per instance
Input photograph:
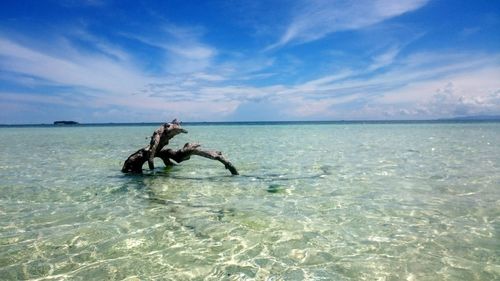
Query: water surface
(313, 202)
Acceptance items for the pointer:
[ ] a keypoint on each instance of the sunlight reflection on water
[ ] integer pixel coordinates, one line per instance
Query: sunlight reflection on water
(341, 202)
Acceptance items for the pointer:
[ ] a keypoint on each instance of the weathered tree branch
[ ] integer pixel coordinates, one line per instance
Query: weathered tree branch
(159, 140)
(189, 149)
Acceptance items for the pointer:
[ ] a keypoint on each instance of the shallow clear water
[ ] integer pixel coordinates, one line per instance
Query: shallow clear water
(313, 202)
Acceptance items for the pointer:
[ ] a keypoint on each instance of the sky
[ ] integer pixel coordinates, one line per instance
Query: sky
(97, 61)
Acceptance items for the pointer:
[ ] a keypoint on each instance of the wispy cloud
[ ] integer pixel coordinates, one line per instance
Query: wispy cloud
(107, 76)
(109, 83)
(316, 19)
(82, 70)
(171, 70)
(83, 3)
(475, 92)
(384, 59)
(409, 88)
(418, 88)
(182, 46)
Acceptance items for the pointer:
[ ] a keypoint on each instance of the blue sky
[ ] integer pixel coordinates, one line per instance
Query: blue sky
(145, 61)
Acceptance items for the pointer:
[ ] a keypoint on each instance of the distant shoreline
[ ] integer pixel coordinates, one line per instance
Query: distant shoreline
(236, 123)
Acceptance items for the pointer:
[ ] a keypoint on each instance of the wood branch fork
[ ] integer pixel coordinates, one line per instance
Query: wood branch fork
(155, 148)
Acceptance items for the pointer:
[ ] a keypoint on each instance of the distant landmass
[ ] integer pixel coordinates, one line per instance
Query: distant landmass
(66, 123)
(475, 117)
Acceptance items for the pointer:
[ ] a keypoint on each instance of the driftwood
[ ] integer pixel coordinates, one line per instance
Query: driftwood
(159, 140)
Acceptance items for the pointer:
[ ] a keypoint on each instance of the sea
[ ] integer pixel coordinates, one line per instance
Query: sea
(313, 201)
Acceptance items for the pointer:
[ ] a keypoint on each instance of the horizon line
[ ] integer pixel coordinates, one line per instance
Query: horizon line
(491, 118)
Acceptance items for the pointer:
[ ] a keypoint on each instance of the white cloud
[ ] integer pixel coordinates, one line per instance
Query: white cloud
(384, 59)
(82, 70)
(195, 52)
(208, 77)
(424, 85)
(183, 48)
(30, 98)
(313, 84)
(475, 92)
(416, 89)
(106, 78)
(317, 18)
(83, 3)
(409, 91)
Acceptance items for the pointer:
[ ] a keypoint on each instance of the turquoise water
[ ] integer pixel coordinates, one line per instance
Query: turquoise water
(313, 202)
